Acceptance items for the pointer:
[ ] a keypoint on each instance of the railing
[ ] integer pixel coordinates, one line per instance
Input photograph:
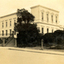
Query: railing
(6, 35)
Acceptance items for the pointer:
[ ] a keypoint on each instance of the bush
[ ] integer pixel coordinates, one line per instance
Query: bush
(48, 39)
(28, 35)
(54, 39)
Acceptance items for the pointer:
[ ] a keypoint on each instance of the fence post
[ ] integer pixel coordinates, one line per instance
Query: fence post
(42, 44)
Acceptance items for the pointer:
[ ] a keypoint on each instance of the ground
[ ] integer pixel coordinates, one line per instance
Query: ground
(10, 55)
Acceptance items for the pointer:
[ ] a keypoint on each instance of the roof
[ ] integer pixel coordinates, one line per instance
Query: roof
(8, 15)
(44, 7)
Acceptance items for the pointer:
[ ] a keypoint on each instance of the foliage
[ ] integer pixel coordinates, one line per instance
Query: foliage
(28, 35)
(48, 38)
(56, 38)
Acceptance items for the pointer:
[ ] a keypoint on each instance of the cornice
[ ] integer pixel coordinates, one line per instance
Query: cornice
(44, 7)
(49, 24)
(8, 15)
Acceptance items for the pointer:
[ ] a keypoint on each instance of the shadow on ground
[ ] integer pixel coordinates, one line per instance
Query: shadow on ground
(37, 52)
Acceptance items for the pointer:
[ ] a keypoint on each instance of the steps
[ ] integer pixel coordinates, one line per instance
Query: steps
(11, 43)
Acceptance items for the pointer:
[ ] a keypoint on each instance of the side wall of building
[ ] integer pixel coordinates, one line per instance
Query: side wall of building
(47, 19)
(7, 25)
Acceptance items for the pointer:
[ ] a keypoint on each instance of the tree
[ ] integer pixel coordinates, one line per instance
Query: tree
(24, 15)
(28, 33)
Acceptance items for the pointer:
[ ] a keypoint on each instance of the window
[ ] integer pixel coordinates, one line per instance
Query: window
(52, 30)
(10, 31)
(47, 18)
(6, 32)
(10, 23)
(47, 30)
(6, 24)
(42, 15)
(14, 21)
(56, 19)
(38, 28)
(2, 32)
(42, 31)
(52, 18)
(2, 24)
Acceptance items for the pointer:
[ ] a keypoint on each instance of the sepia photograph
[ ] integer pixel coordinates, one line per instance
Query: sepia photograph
(32, 31)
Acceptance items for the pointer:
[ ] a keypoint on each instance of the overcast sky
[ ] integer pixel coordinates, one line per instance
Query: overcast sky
(10, 6)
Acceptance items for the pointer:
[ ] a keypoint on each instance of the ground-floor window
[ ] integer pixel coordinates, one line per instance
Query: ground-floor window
(42, 30)
(2, 32)
(52, 30)
(6, 32)
(10, 31)
(47, 30)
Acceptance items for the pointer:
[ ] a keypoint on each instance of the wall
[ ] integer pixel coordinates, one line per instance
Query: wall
(7, 19)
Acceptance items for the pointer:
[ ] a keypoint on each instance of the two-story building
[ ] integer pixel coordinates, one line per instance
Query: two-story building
(47, 21)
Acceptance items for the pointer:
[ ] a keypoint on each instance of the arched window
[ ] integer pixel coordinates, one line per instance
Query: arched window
(47, 18)
(56, 19)
(2, 32)
(42, 16)
(52, 18)
(10, 23)
(6, 24)
(2, 24)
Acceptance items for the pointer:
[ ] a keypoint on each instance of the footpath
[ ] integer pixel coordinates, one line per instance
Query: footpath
(45, 51)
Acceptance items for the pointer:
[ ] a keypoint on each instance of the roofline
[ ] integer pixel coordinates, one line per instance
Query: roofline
(8, 15)
(45, 7)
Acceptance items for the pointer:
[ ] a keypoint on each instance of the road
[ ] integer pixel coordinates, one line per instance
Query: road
(11, 56)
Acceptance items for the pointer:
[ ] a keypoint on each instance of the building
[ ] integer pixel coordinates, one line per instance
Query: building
(45, 18)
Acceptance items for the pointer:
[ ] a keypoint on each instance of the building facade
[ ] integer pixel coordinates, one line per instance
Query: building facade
(47, 21)
(7, 24)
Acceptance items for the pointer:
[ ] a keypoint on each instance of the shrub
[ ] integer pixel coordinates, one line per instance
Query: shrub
(28, 35)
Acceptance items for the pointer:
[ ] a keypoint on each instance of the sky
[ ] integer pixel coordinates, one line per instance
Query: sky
(11, 6)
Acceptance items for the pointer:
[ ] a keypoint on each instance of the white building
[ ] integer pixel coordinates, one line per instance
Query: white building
(46, 19)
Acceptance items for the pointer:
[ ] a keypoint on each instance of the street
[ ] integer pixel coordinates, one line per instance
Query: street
(12, 56)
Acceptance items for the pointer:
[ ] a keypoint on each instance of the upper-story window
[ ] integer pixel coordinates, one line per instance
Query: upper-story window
(42, 16)
(56, 19)
(52, 18)
(2, 24)
(10, 23)
(47, 18)
(2, 32)
(14, 21)
(6, 24)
